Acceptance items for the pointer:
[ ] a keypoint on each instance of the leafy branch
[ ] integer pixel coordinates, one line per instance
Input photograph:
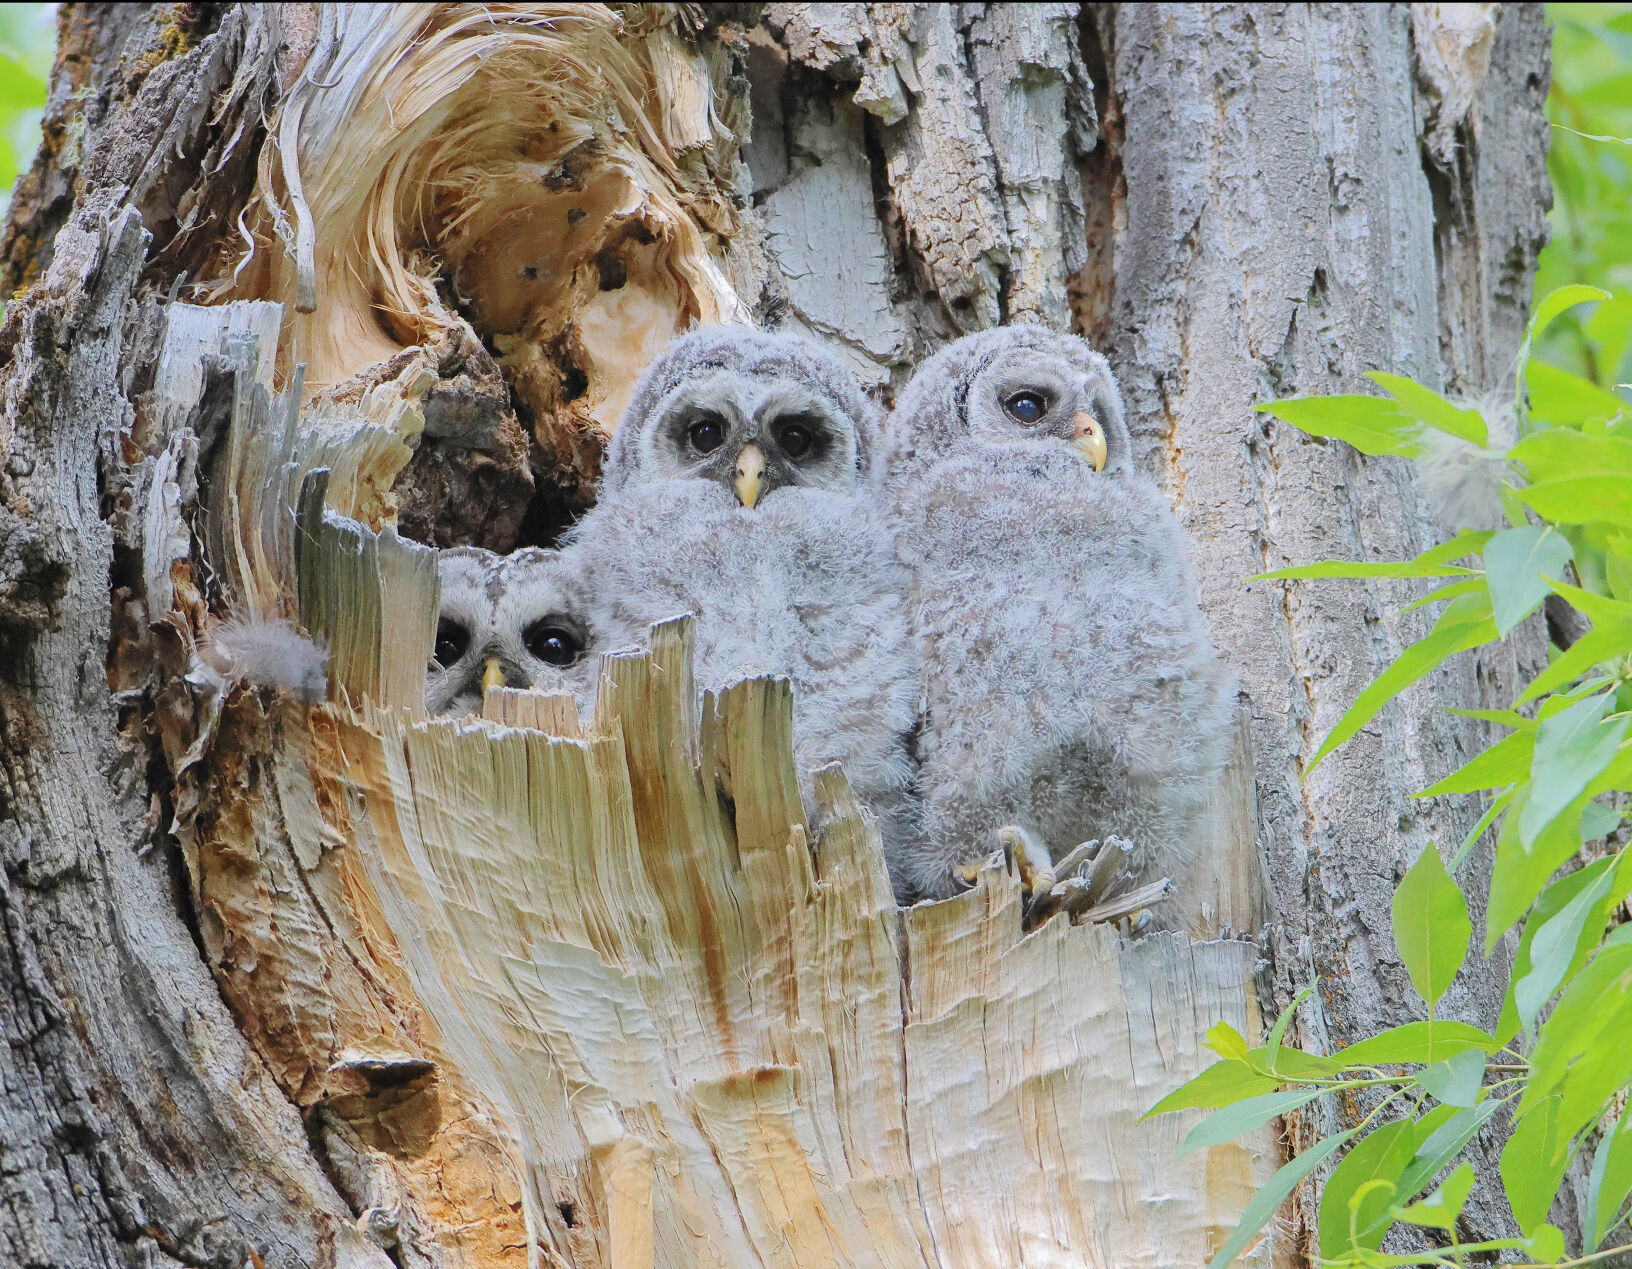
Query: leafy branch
(1564, 489)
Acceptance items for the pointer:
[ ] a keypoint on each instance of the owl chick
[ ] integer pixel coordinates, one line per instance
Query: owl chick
(1069, 688)
(734, 491)
(507, 621)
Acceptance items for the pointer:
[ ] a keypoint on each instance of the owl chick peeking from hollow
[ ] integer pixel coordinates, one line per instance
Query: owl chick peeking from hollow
(737, 489)
(1069, 690)
(751, 411)
(506, 621)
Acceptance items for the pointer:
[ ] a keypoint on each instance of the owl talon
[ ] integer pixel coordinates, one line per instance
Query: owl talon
(1038, 878)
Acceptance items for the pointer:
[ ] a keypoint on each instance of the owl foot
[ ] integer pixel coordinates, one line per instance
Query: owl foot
(1036, 869)
(1094, 887)
(1029, 858)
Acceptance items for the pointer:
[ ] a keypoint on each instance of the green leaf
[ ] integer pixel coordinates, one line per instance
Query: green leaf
(1592, 649)
(1551, 306)
(1438, 561)
(1501, 717)
(1457, 1080)
(1521, 875)
(1581, 1054)
(1221, 1084)
(1446, 1140)
(1581, 500)
(1556, 452)
(1561, 397)
(1505, 762)
(1272, 1046)
(1452, 590)
(1572, 749)
(1373, 425)
(1354, 1210)
(1611, 1180)
(1241, 1118)
(1429, 407)
(1533, 1164)
(1293, 1065)
(1610, 325)
(20, 88)
(1269, 1199)
(1598, 821)
(1478, 830)
(1551, 901)
(1441, 1209)
(1520, 565)
(1226, 1041)
(1359, 568)
(1610, 636)
(1546, 1244)
(1426, 1041)
(1431, 926)
(1588, 1021)
(1465, 624)
(1553, 949)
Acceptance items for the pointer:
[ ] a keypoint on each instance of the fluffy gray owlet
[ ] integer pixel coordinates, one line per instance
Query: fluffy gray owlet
(506, 621)
(734, 490)
(1069, 687)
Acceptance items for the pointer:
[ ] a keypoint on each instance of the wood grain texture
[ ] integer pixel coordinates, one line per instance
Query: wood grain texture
(714, 1046)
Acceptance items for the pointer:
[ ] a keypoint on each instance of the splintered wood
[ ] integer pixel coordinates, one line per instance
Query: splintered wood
(703, 1043)
(554, 991)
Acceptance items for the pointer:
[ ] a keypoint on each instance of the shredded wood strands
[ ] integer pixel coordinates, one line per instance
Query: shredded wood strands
(349, 580)
(564, 176)
(215, 397)
(704, 1043)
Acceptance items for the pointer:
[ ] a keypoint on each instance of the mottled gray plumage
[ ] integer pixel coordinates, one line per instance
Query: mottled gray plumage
(799, 583)
(1068, 683)
(753, 382)
(519, 619)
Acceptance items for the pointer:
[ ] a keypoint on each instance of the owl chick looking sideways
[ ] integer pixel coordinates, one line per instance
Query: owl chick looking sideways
(734, 490)
(1068, 685)
(506, 621)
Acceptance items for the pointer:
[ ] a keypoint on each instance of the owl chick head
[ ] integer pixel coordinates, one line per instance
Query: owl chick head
(1018, 383)
(750, 410)
(505, 621)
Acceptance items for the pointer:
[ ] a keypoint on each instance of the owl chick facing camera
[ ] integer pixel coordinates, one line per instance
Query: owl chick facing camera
(1069, 689)
(737, 489)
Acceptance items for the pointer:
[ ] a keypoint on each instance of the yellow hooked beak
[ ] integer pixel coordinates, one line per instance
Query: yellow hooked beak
(750, 467)
(492, 675)
(1089, 438)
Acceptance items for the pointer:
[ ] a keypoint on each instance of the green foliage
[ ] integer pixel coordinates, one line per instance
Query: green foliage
(27, 42)
(1591, 97)
(1431, 926)
(1559, 1063)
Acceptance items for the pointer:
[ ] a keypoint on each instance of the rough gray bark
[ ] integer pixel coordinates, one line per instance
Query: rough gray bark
(1238, 202)
(1285, 231)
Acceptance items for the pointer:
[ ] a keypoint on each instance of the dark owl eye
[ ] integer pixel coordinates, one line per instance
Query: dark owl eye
(706, 433)
(799, 435)
(452, 641)
(1026, 407)
(552, 644)
(795, 440)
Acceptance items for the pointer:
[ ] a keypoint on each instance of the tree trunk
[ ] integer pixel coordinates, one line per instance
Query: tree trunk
(325, 985)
